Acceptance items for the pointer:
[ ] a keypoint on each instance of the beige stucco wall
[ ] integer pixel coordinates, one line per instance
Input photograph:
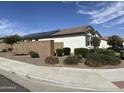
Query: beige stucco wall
(44, 48)
(58, 45)
(21, 48)
(3, 46)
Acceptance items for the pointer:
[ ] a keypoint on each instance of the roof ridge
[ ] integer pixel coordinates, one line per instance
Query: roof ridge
(75, 27)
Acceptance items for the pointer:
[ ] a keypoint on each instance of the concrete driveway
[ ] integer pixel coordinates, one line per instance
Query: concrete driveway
(85, 79)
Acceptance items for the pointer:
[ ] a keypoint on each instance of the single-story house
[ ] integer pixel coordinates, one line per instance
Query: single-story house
(71, 37)
(75, 37)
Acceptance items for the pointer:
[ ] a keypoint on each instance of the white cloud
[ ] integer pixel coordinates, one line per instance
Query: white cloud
(119, 21)
(10, 28)
(116, 22)
(107, 12)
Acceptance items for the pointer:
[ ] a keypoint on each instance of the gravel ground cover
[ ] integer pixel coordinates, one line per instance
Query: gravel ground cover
(40, 61)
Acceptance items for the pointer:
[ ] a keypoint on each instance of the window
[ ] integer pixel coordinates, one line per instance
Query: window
(88, 40)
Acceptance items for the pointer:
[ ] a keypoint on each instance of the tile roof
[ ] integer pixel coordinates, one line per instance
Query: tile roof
(61, 32)
(73, 30)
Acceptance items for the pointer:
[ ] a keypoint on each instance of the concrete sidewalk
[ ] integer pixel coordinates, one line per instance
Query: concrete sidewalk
(90, 79)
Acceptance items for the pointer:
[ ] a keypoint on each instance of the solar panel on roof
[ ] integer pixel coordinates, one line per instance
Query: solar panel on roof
(39, 35)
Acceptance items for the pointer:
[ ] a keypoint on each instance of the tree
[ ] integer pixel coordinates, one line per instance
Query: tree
(96, 41)
(11, 40)
(115, 41)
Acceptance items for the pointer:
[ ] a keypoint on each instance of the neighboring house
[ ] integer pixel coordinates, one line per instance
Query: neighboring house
(72, 37)
(104, 42)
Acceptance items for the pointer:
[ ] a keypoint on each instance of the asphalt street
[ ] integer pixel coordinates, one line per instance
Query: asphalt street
(6, 85)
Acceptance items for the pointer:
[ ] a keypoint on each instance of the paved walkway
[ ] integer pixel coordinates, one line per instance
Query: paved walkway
(90, 79)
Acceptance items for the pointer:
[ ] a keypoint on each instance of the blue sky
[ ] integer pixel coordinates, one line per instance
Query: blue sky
(30, 17)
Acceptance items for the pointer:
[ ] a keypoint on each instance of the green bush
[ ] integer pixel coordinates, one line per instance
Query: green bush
(97, 50)
(91, 51)
(34, 54)
(4, 50)
(81, 51)
(109, 52)
(59, 52)
(71, 60)
(122, 54)
(51, 60)
(66, 51)
(96, 60)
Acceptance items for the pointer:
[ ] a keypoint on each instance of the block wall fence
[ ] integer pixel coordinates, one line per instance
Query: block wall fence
(43, 48)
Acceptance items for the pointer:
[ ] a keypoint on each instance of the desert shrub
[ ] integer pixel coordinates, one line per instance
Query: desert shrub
(66, 51)
(97, 50)
(81, 51)
(110, 60)
(51, 60)
(93, 60)
(71, 60)
(4, 50)
(34, 54)
(96, 60)
(79, 57)
(92, 63)
(115, 61)
(59, 52)
(109, 52)
(122, 54)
